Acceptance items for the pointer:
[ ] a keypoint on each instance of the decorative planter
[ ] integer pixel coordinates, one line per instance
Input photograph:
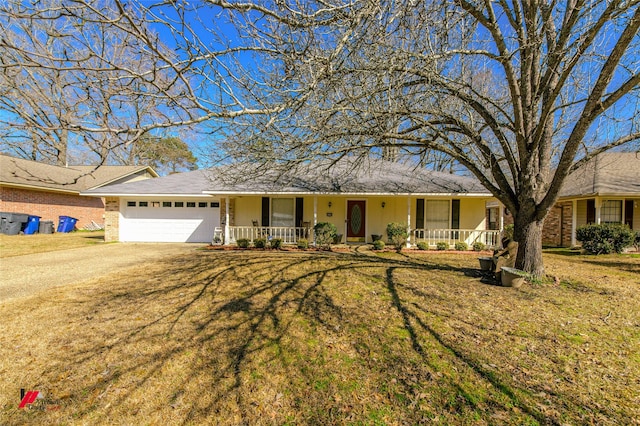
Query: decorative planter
(375, 237)
(486, 263)
(512, 277)
(337, 239)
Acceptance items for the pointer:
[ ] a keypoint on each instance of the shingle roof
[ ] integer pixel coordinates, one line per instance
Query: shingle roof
(377, 177)
(610, 173)
(32, 174)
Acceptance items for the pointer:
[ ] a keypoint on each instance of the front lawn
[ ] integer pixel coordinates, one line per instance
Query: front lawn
(19, 245)
(232, 337)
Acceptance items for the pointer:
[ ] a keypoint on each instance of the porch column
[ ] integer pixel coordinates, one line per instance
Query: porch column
(315, 210)
(315, 216)
(227, 233)
(574, 220)
(501, 216)
(598, 205)
(409, 222)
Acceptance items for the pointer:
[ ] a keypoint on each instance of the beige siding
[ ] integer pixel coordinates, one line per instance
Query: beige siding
(472, 214)
(636, 214)
(247, 209)
(581, 214)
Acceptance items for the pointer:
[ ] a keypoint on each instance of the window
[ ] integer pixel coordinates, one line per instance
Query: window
(201, 204)
(155, 204)
(143, 204)
(282, 212)
(191, 204)
(166, 204)
(437, 214)
(178, 204)
(131, 203)
(215, 204)
(611, 211)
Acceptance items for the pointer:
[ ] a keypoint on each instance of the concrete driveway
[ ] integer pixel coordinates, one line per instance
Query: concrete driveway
(25, 275)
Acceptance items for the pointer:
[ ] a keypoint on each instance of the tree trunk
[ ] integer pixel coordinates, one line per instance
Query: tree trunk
(528, 233)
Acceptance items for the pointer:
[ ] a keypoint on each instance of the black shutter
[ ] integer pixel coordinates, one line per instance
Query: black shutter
(591, 211)
(455, 214)
(628, 213)
(299, 207)
(265, 211)
(420, 213)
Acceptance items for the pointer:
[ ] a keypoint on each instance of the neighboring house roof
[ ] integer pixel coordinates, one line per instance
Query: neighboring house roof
(29, 174)
(345, 177)
(610, 173)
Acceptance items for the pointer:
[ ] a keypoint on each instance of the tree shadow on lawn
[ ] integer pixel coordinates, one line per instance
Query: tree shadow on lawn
(320, 338)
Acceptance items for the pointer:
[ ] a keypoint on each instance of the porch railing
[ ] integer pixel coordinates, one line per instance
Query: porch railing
(288, 235)
(452, 236)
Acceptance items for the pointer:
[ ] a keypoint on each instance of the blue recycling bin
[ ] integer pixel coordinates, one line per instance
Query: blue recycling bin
(33, 224)
(62, 223)
(66, 224)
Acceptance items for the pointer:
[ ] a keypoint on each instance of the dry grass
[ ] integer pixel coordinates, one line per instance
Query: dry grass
(318, 338)
(18, 245)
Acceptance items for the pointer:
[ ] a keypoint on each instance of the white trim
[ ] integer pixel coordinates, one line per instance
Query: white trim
(169, 195)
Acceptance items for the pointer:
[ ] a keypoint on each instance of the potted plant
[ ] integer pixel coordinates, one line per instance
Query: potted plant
(512, 277)
(486, 263)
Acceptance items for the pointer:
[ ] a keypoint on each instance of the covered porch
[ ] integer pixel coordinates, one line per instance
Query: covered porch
(359, 218)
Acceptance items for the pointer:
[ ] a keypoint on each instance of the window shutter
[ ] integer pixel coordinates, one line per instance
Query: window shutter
(455, 214)
(265, 211)
(591, 211)
(420, 213)
(299, 207)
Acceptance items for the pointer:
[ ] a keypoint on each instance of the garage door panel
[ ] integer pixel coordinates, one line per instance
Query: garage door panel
(157, 224)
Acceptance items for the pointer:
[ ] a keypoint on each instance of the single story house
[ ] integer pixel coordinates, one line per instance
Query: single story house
(52, 191)
(205, 205)
(606, 189)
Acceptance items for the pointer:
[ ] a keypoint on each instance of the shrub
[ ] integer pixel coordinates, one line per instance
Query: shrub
(507, 232)
(397, 233)
(303, 243)
(378, 245)
(243, 242)
(461, 246)
(605, 238)
(276, 243)
(260, 243)
(422, 245)
(325, 232)
(478, 246)
(441, 245)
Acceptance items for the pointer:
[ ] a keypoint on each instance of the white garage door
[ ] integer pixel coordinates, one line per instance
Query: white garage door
(169, 221)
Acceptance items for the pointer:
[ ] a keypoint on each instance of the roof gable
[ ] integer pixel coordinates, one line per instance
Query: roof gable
(35, 175)
(610, 173)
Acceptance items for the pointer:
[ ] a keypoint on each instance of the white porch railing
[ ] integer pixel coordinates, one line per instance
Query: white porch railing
(452, 236)
(288, 235)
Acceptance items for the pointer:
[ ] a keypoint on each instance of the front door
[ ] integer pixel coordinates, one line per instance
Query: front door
(355, 221)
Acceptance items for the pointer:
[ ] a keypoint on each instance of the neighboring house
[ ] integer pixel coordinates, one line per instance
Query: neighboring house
(606, 189)
(52, 191)
(204, 205)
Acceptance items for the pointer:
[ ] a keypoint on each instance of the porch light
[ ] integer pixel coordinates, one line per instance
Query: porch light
(383, 204)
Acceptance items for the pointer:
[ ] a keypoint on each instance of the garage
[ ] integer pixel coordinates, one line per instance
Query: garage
(168, 220)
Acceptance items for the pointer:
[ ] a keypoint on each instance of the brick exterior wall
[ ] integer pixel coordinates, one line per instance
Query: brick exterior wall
(557, 225)
(232, 211)
(111, 219)
(51, 205)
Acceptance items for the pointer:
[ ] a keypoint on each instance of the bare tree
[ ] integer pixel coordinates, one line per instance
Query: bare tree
(519, 93)
(75, 85)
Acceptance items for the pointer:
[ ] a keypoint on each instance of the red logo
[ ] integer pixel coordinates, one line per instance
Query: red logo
(27, 398)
